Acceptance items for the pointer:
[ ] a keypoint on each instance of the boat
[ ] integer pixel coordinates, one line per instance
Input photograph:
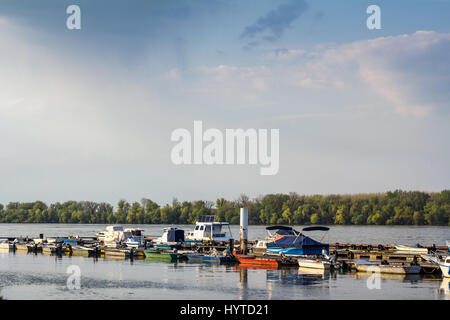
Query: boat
(71, 241)
(23, 246)
(161, 255)
(83, 250)
(132, 243)
(297, 244)
(366, 266)
(201, 257)
(258, 260)
(38, 240)
(135, 238)
(261, 245)
(416, 249)
(314, 263)
(170, 236)
(113, 233)
(207, 229)
(51, 249)
(6, 245)
(443, 264)
(112, 244)
(121, 253)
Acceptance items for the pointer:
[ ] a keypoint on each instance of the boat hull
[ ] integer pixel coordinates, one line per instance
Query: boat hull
(388, 269)
(258, 260)
(314, 264)
(161, 255)
(202, 258)
(411, 249)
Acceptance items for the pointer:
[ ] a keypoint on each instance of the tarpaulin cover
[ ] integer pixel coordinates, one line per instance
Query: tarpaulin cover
(300, 241)
(175, 236)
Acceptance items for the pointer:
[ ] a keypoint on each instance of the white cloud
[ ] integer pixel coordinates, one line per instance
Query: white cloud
(397, 70)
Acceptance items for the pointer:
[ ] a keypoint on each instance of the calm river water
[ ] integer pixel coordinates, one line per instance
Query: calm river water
(29, 276)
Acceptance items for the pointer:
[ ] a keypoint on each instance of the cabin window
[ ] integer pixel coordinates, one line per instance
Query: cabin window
(196, 227)
(201, 228)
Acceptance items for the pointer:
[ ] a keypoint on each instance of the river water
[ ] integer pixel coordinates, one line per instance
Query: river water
(30, 276)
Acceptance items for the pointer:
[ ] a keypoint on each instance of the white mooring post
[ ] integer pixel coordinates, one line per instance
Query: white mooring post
(244, 230)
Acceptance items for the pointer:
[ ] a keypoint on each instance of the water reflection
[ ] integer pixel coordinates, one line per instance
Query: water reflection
(445, 288)
(413, 278)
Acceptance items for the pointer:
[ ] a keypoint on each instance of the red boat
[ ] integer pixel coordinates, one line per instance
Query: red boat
(258, 260)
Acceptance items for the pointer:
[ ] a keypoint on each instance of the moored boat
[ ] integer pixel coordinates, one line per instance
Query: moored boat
(207, 229)
(52, 249)
(6, 245)
(258, 260)
(314, 263)
(365, 266)
(201, 257)
(23, 246)
(443, 264)
(171, 236)
(121, 253)
(156, 254)
(415, 249)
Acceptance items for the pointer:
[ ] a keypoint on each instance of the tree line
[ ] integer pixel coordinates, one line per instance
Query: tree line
(390, 208)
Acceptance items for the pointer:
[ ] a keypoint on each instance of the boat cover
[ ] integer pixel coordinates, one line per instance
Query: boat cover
(308, 245)
(175, 235)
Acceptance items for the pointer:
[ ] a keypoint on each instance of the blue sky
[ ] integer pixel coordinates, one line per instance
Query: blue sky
(87, 114)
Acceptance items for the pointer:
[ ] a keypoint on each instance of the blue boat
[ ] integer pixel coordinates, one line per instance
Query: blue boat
(71, 242)
(297, 244)
(201, 257)
(208, 258)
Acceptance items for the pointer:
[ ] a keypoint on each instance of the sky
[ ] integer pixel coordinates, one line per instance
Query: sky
(88, 114)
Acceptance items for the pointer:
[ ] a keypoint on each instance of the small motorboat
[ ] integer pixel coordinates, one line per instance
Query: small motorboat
(273, 262)
(52, 249)
(132, 243)
(201, 257)
(213, 256)
(366, 266)
(162, 255)
(443, 264)
(416, 249)
(23, 247)
(6, 245)
(170, 236)
(314, 263)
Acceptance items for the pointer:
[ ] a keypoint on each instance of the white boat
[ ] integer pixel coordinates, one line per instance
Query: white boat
(314, 263)
(4, 244)
(444, 264)
(113, 233)
(208, 230)
(132, 243)
(135, 237)
(171, 236)
(261, 245)
(365, 266)
(111, 244)
(38, 240)
(411, 249)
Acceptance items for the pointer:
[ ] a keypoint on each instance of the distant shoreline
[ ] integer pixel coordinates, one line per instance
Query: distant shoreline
(391, 208)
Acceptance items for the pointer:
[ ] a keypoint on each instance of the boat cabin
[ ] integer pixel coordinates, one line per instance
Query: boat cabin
(206, 229)
(171, 235)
